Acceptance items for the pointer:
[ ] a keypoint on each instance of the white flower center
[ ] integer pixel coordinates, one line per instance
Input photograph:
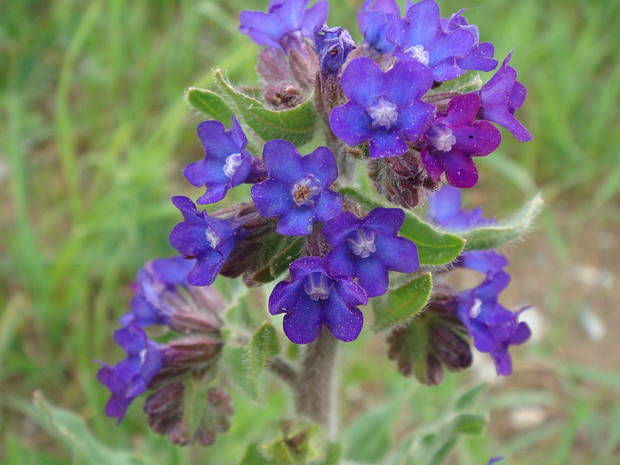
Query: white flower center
(383, 113)
(318, 286)
(306, 191)
(475, 310)
(142, 355)
(440, 136)
(231, 164)
(362, 244)
(213, 238)
(418, 53)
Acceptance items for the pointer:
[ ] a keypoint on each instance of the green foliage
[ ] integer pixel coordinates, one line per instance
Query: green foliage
(244, 364)
(296, 125)
(276, 254)
(71, 429)
(209, 103)
(368, 440)
(403, 303)
(301, 444)
(434, 247)
(194, 403)
(490, 237)
(432, 447)
(94, 135)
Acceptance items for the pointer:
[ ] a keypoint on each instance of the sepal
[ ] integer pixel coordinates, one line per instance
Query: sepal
(297, 125)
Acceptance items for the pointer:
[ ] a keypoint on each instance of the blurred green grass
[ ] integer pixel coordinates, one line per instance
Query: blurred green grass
(94, 133)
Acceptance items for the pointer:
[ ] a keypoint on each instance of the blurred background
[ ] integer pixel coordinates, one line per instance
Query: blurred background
(94, 133)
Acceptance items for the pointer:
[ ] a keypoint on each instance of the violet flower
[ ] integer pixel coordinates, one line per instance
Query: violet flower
(368, 248)
(164, 297)
(207, 239)
(374, 19)
(455, 138)
(316, 296)
(383, 107)
(492, 327)
(420, 37)
(130, 377)
(285, 18)
(481, 57)
(445, 210)
(226, 163)
(297, 188)
(501, 97)
(332, 45)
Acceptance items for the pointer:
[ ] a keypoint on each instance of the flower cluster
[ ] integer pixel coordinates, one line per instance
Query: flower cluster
(164, 298)
(386, 105)
(492, 327)
(381, 99)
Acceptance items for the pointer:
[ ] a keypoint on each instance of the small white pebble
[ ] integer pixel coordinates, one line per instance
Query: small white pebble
(592, 324)
(527, 417)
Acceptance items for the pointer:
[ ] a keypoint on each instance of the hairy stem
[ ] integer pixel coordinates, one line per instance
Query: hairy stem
(283, 371)
(315, 390)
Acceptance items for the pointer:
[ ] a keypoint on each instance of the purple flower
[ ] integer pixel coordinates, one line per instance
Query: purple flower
(207, 239)
(374, 19)
(445, 210)
(332, 45)
(481, 57)
(285, 18)
(368, 248)
(163, 297)
(316, 296)
(156, 280)
(297, 188)
(383, 108)
(492, 327)
(226, 163)
(130, 377)
(420, 37)
(455, 138)
(501, 97)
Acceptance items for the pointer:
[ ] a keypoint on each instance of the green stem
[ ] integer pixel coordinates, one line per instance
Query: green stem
(315, 384)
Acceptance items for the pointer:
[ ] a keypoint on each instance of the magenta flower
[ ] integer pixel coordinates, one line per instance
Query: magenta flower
(501, 97)
(384, 108)
(455, 138)
(315, 296)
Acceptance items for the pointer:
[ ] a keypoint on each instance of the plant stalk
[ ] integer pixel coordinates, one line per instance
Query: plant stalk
(315, 385)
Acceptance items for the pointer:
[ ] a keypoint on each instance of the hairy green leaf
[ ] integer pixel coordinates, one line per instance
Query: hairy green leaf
(263, 345)
(297, 125)
(254, 457)
(276, 254)
(489, 237)
(71, 429)
(209, 103)
(245, 363)
(401, 304)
